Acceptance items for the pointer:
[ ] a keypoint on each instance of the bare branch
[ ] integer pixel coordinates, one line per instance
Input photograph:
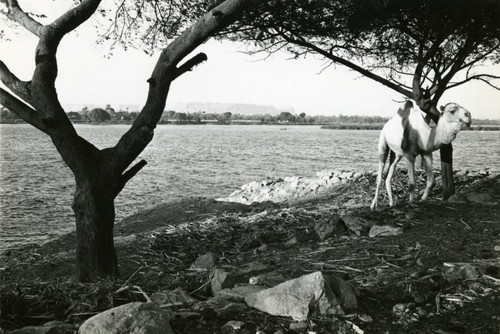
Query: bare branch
(304, 43)
(141, 132)
(188, 65)
(19, 87)
(70, 20)
(128, 175)
(480, 77)
(21, 109)
(16, 14)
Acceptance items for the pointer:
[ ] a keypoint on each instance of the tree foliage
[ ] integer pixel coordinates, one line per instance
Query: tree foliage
(419, 48)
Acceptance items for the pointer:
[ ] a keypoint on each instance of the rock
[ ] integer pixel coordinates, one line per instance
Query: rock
(345, 293)
(231, 310)
(262, 248)
(187, 315)
(136, 317)
(205, 262)
(299, 326)
(214, 304)
(357, 225)
(461, 272)
(456, 198)
(240, 292)
(409, 215)
(298, 297)
(222, 278)
(52, 327)
(121, 240)
(481, 198)
(328, 227)
(175, 297)
(384, 230)
(365, 318)
(269, 279)
(232, 326)
(291, 242)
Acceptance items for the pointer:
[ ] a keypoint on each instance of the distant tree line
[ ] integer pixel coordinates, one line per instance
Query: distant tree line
(109, 115)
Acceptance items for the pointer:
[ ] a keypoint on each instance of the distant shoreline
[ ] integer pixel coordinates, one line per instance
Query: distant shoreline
(339, 126)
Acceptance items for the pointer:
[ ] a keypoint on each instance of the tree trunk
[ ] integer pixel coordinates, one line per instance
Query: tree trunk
(446, 152)
(94, 210)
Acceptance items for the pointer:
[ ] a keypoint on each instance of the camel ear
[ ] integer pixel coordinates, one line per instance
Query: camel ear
(441, 108)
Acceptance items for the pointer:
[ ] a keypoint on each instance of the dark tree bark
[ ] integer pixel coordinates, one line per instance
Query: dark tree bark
(100, 174)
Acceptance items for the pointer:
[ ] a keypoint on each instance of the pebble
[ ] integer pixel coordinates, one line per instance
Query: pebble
(365, 318)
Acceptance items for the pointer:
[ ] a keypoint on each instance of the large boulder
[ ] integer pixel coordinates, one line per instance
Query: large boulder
(299, 297)
(131, 318)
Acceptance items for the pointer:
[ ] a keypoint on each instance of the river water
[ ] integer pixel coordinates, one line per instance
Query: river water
(36, 187)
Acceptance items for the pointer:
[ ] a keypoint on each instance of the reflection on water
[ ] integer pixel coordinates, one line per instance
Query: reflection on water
(184, 161)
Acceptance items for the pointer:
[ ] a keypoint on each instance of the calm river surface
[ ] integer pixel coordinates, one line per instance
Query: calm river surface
(36, 187)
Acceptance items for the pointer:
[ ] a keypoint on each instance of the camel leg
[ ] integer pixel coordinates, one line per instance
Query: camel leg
(388, 181)
(427, 159)
(410, 163)
(381, 165)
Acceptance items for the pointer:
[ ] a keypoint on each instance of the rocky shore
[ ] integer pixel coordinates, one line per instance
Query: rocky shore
(293, 255)
(290, 189)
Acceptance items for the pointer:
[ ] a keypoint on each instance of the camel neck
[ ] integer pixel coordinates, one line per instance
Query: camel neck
(445, 133)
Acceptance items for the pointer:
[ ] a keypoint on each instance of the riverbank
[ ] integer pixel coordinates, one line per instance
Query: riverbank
(283, 125)
(428, 267)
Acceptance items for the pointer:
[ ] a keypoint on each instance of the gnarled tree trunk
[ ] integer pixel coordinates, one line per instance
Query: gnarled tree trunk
(94, 209)
(100, 174)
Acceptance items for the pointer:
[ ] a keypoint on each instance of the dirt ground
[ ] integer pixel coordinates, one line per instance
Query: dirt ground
(441, 275)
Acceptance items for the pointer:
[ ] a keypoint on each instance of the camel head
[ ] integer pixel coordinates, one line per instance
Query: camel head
(456, 116)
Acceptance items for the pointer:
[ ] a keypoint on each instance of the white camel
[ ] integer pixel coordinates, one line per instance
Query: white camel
(408, 135)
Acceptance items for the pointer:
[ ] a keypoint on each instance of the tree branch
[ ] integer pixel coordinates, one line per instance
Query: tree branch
(15, 13)
(21, 109)
(188, 65)
(19, 87)
(74, 17)
(141, 132)
(302, 42)
(480, 77)
(129, 175)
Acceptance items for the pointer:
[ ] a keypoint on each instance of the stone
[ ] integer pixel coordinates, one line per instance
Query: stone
(123, 240)
(270, 279)
(133, 318)
(215, 303)
(328, 227)
(175, 297)
(298, 297)
(456, 198)
(299, 326)
(222, 278)
(365, 318)
(291, 242)
(384, 231)
(358, 225)
(231, 310)
(240, 292)
(205, 262)
(345, 292)
(52, 327)
(233, 326)
(480, 198)
(461, 272)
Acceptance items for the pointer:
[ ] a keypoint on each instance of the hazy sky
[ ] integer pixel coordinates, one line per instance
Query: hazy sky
(88, 76)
